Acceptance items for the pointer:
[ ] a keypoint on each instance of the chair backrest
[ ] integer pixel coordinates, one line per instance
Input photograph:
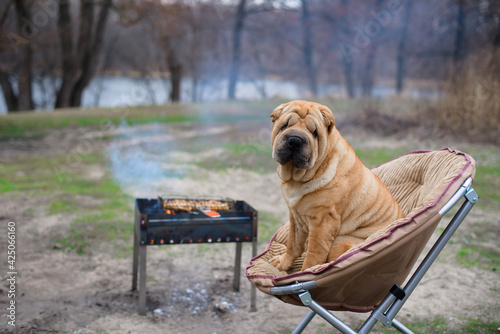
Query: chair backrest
(418, 178)
(422, 182)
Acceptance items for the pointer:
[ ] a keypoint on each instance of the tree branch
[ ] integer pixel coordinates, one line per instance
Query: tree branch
(5, 13)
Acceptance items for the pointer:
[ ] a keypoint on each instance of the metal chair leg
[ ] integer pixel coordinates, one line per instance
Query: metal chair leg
(253, 288)
(400, 327)
(303, 324)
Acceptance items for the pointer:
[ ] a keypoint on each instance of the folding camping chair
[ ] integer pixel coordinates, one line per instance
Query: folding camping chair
(368, 277)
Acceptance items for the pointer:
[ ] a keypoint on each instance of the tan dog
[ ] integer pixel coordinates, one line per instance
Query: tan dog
(335, 201)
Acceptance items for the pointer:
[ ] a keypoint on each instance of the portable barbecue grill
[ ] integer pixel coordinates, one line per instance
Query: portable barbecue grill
(189, 221)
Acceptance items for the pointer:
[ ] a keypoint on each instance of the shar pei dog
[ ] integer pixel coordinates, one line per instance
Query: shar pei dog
(335, 201)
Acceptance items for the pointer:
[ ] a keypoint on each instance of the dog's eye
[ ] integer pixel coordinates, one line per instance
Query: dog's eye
(315, 134)
(284, 127)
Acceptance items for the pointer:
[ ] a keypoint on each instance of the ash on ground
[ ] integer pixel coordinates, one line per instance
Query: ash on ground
(217, 297)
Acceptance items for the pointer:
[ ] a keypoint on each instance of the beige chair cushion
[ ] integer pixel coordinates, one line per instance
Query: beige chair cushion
(422, 182)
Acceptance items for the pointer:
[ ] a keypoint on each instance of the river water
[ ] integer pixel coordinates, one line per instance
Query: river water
(110, 91)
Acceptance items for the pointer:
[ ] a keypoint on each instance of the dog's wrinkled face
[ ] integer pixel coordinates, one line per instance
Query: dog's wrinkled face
(300, 133)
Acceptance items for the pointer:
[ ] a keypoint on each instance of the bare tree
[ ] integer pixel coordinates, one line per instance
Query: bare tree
(175, 68)
(77, 66)
(241, 13)
(7, 89)
(65, 28)
(78, 73)
(369, 69)
(339, 19)
(8, 92)
(307, 48)
(168, 25)
(459, 47)
(20, 39)
(400, 66)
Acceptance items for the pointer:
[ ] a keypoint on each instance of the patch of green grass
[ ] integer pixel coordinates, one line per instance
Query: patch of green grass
(254, 156)
(75, 241)
(283, 330)
(6, 186)
(38, 124)
(374, 157)
(65, 174)
(482, 326)
(487, 180)
(438, 324)
(486, 184)
(59, 207)
(99, 229)
(471, 256)
(34, 125)
(103, 213)
(268, 225)
(110, 221)
(468, 256)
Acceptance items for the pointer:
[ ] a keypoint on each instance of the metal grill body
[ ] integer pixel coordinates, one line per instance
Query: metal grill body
(157, 225)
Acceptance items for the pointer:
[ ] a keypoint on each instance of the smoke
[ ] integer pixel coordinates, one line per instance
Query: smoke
(141, 156)
(166, 159)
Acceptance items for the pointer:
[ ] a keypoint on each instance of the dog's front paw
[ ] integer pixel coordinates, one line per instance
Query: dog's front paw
(282, 262)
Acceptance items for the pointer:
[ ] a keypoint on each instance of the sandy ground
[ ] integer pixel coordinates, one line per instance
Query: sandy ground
(189, 287)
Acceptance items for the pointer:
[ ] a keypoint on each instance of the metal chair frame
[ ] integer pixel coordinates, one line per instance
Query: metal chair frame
(397, 296)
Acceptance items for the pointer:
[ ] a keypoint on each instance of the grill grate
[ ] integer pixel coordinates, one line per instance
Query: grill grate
(176, 221)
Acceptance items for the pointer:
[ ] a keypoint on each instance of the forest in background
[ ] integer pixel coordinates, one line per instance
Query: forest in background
(353, 43)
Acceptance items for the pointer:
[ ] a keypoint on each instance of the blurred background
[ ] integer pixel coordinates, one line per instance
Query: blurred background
(56, 54)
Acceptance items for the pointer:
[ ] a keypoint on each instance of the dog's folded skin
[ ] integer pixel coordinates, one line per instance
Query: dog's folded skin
(335, 201)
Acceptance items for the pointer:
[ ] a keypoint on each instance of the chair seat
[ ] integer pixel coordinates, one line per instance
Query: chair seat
(422, 182)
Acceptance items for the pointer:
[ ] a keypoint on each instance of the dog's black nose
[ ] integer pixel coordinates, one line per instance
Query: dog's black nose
(294, 142)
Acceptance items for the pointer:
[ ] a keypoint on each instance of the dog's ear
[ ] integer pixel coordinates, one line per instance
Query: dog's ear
(277, 112)
(327, 117)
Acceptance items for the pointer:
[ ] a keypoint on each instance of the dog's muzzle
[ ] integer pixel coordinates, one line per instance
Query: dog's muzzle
(293, 147)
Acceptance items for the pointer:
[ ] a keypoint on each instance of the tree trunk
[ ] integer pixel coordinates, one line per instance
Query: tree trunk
(65, 29)
(235, 64)
(85, 33)
(369, 71)
(24, 25)
(348, 63)
(459, 52)
(175, 68)
(308, 49)
(348, 74)
(459, 49)
(5, 14)
(91, 52)
(400, 66)
(8, 92)
(495, 41)
(176, 72)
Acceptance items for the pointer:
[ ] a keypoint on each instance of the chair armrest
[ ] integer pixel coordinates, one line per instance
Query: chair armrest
(457, 197)
(293, 288)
